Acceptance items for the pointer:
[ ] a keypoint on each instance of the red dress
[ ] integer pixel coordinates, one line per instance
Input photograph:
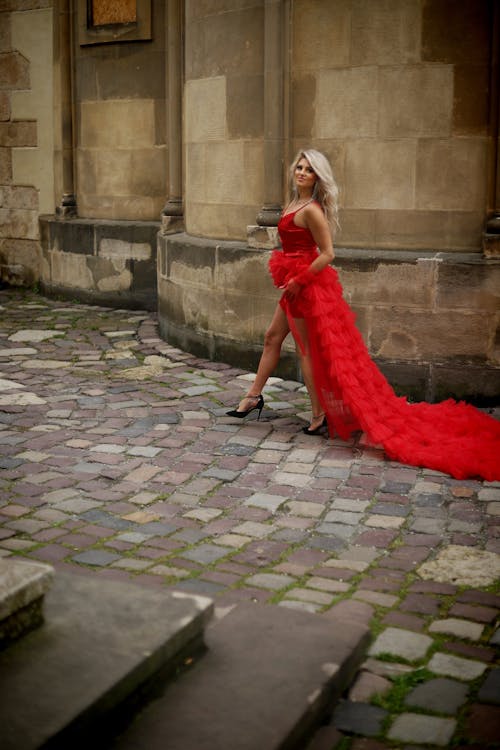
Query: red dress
(453, 437)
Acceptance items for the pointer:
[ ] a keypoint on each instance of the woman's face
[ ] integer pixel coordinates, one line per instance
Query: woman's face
(304, 175)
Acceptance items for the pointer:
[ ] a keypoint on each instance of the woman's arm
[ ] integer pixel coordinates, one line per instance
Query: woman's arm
(313, 218)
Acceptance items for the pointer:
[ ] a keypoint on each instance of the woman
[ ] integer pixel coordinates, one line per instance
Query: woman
(345, 386)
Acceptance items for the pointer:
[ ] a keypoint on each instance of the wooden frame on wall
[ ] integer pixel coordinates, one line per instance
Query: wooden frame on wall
(111, 21)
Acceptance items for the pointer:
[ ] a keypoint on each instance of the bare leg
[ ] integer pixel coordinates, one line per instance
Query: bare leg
(273, 339)
(306, 368)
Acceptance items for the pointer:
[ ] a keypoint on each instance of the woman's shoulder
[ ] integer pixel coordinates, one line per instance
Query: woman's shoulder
(314, 211)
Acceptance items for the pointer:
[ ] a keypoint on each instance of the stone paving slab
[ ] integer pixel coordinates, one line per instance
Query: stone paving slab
(255, 654)
(115, 434)
(100, 642)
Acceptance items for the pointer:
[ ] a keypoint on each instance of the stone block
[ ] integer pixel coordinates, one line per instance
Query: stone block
(489, 691)
(14, 71)
(451, 174)
(226, 221)
(5, 165)
(113, 171)
(440, 695)
(408, 284)
(433, 229)
(205, 110)
(456, 33)
(303, 99)
(339, 92)
(87, 173)
(359, 718)
(470, 286)
(4, 106)
(23, 586)
(115, 637)
(21, 261)
(122, 123)
(258, 670)
(402, 643)
(5, 40)
(228, 43)
(19, 224)
(397, 330)
(380, 174)
(385, 33)
(415, 728)
(254, 172)
(20, 197)
(224, 175)
(314, 49)
(471, 99)
(262, 238)
(245, 106)
(70, 270)
(72, 237)
(196, 186)
(18, 134)
(415, 101)
(148, 176)
(137, 75)
(358, 227)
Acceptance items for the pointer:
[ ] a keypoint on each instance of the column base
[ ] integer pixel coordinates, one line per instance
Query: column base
(172, 216)
(67, 207)
(491, 237)
(269, 216)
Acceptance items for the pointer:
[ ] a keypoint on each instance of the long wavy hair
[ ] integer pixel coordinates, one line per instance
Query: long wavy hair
(325, 190)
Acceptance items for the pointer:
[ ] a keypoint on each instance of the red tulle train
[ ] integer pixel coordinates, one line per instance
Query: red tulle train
(452, 437)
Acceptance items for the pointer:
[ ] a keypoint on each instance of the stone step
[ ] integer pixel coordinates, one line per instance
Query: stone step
(23, 586)
(98, 654)
(270, 676)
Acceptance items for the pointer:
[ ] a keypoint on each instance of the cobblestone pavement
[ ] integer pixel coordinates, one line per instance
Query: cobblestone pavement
(117, 460)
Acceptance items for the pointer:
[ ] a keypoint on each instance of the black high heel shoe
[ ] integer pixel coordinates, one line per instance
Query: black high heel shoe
(317, 430)
(240, 414)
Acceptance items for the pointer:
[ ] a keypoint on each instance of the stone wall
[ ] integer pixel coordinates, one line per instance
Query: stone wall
(26, 134)
(100, 262)
(396, 92)
(428, 319)
(121, 156)
(224, 116)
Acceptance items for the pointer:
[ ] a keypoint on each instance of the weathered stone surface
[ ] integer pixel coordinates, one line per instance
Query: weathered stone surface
(403, 643)
(440, 695)
(425, 729)
(266, 643)
(359, 718)
(14, 71)
(455, 666)
(489, 691)
(114, 636)
(18, 134)
(463, 566)
(23, 586)
(34, 335)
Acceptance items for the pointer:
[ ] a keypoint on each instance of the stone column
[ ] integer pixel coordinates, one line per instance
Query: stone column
(172, 214)
(491, 235)
(274, 65)
(64, 106)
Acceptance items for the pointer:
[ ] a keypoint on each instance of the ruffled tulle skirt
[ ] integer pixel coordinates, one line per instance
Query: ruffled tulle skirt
(453, 437)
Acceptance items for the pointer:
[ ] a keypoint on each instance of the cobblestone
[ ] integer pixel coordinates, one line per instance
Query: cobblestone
(127, 465)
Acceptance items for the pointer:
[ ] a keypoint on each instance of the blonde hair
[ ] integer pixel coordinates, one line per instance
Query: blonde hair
(325, 191)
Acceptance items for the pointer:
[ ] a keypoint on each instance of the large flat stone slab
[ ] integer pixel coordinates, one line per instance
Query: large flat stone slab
(101, 642)
(23, 585)
(268, 678)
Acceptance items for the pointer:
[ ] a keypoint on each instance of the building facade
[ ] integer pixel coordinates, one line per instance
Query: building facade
(144, 147)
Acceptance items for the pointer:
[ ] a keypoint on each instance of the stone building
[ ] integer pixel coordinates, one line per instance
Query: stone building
(144, 147)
